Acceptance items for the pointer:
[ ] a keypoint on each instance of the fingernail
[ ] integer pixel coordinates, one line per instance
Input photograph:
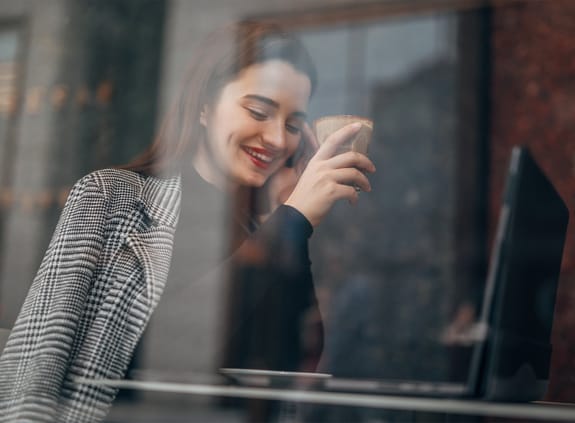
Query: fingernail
(356, 125)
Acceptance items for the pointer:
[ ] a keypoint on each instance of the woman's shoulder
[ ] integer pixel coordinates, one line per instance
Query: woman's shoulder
(125, 188)
(112, 181)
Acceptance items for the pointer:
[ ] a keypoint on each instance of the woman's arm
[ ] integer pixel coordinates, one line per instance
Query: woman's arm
(272, 296)
(272, 287)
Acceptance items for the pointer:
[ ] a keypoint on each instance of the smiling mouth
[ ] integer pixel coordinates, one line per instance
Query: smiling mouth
(259, 157)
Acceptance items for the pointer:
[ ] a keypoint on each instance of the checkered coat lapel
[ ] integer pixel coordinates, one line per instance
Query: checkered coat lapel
(100, 279)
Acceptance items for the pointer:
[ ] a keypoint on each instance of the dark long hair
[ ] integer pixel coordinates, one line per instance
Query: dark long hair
(220, 59)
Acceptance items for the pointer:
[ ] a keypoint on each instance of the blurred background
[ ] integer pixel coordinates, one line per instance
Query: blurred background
(451, 85)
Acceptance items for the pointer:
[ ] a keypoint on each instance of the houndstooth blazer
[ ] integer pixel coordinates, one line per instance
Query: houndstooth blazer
(100, 279)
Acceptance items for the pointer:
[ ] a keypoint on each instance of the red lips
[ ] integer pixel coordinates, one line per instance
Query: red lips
(260, 157)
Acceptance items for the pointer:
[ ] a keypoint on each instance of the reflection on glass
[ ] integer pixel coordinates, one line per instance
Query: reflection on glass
(395, 252)
(10, 72)
(388, 284)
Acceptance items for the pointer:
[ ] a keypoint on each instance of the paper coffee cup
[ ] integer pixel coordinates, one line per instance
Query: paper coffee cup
(326, 125)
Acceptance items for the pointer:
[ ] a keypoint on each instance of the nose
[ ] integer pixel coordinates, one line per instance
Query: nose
(274, 136)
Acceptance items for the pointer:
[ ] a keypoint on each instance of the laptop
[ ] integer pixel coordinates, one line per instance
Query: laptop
(509, 356)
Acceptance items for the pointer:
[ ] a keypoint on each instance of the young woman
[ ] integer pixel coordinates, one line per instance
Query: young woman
(240, 125)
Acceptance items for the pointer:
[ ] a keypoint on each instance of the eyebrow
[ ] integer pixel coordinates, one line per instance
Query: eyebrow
(273, 103)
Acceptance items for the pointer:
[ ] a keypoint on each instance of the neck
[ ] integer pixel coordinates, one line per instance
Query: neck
(204, 163)
(207, 168)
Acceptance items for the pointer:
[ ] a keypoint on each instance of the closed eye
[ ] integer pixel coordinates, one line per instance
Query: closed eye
(256, 114)
(293, 129)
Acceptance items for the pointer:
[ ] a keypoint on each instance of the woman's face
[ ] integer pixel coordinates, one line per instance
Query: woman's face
(255, 124)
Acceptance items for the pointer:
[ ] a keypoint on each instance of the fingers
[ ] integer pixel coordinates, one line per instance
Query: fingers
(330, 175)
(351, 159)
(336, 140)
(346, 192)
(353, 178)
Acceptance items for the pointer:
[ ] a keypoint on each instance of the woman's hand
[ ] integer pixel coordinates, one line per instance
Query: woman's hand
(329, 177)
(281, 184)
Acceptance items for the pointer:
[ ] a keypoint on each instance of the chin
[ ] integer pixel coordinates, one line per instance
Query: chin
(254, 181)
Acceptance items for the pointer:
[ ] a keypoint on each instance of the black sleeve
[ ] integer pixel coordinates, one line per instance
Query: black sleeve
(273, 321)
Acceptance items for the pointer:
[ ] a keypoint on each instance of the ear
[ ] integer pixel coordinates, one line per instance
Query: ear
(204, 116)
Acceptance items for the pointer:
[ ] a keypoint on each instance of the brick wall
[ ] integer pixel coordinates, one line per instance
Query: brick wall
(533, 102)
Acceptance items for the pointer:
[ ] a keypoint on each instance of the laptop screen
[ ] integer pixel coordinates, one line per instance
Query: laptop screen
(520, 291)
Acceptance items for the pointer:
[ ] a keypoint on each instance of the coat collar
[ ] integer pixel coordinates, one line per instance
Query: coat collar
(161, 198)
(160, 203)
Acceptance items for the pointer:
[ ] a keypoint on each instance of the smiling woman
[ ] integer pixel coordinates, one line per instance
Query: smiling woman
(239, 128)
(254, 125)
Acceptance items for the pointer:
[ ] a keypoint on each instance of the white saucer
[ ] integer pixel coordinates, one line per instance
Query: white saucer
(258, 377)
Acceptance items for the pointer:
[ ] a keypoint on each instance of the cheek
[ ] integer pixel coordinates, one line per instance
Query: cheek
(238, 130)
(223, 125)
